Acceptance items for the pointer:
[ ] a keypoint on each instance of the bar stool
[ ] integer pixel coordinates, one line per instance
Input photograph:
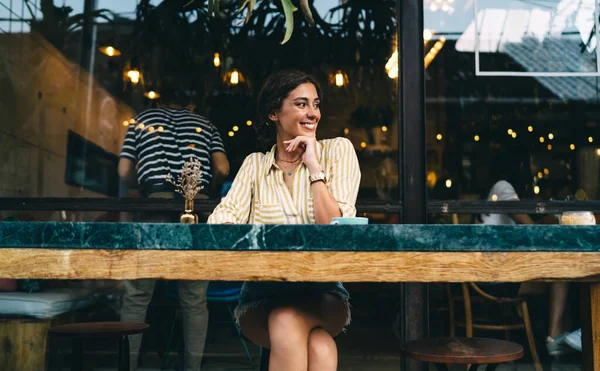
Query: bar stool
(466, 351)
(77, 332)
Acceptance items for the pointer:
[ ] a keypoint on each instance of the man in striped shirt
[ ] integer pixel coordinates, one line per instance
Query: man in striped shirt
(159, 142)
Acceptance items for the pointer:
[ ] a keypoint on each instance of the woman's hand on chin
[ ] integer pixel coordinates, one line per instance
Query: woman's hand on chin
(308, 146)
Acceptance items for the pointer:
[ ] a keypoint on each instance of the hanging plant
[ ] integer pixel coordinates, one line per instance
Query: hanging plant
(57, 24)
(288, 10)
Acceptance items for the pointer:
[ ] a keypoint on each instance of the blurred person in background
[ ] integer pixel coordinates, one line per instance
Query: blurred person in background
(159, 142)
(511, 177)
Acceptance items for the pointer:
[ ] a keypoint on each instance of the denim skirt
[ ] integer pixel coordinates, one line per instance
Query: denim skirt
(255, 294)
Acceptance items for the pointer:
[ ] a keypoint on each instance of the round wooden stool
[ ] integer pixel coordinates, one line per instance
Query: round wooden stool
(473, 351)
(76, 332)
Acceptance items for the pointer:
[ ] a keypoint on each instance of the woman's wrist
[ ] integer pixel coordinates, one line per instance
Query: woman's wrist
(314, 169)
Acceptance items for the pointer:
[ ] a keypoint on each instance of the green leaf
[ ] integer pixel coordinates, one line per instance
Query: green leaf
(216, 8)
(250, 9)
(288, 9)
(306, 11)
(211, 4)
(241, 8)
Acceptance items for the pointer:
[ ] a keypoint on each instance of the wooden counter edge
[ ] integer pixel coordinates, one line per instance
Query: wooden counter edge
(45, 263)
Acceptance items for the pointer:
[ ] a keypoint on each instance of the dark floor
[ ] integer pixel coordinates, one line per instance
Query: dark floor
(369, 344)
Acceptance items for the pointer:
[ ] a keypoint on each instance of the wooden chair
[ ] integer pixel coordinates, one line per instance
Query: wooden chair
(76, 332)
(477, 323)
(465, 351)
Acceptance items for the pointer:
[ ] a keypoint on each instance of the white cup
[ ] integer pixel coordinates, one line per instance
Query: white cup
(577, 218)
(352, 221)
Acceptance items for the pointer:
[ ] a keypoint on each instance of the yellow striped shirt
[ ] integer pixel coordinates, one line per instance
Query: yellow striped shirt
(259, 194)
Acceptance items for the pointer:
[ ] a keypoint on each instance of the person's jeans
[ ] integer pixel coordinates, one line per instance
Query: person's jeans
(192, 296)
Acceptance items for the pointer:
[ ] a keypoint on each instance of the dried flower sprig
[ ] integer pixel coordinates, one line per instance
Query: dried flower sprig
(188, 183)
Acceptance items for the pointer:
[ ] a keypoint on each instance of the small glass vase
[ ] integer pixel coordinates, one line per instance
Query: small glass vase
(188, 216)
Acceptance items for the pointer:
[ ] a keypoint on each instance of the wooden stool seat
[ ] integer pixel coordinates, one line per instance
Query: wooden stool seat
(98, 329)
(95, 330)
(456, 350)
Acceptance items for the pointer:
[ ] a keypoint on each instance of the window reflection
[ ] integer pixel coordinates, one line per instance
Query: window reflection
(92, 77)
(516, 105)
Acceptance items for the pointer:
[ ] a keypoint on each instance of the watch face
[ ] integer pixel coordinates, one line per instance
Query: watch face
(317, 176)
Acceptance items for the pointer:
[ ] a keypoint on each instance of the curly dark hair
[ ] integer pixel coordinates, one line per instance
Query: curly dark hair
(274, 91)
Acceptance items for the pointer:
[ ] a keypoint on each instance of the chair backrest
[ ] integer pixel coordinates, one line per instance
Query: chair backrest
(223, 291)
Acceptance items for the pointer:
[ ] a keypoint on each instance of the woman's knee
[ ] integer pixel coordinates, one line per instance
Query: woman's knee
(321, 347)
(286, 325)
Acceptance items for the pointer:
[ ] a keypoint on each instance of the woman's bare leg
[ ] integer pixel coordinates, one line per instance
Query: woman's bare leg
(558, 293)
(287, 329)
(322, 351)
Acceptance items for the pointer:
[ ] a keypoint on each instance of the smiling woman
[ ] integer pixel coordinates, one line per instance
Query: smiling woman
(274, 98)
(299, 181)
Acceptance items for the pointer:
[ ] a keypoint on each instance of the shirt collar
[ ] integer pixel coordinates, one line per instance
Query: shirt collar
(270, 160)
(270, 157)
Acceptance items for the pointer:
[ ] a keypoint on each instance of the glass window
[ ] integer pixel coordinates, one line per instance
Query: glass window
(71, 92)
(524, 109)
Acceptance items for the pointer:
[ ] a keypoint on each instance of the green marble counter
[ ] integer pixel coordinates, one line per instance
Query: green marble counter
(380, 238)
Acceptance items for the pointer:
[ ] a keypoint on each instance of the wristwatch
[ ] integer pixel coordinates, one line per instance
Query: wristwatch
(316, 177)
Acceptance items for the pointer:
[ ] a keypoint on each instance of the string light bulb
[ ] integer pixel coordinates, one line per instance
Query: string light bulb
(134, 76)
(427, 35)
(110, 51)
(339, 79)
(152, 95)
(235, 77)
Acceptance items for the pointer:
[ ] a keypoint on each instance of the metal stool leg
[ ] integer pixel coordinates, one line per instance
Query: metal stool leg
(123, 353)
(237, 329)
(264, 359)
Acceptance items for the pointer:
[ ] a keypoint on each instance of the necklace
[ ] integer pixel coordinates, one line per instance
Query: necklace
(289, 171)
(289, 162)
